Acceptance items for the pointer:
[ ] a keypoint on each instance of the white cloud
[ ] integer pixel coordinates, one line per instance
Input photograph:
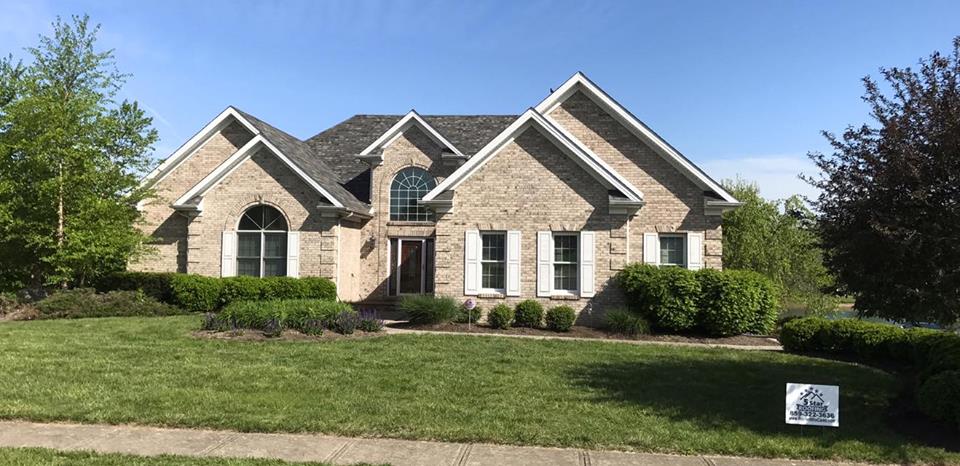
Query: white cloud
(776, 175)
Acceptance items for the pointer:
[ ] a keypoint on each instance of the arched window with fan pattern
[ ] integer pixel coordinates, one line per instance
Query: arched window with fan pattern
(407, 188)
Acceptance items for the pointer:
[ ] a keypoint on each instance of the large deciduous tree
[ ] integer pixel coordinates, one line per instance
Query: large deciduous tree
(70, 159)
(889, 208)
(777, 239)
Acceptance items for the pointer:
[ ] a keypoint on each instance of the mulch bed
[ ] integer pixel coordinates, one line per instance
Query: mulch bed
(287, 335)
(590, 332)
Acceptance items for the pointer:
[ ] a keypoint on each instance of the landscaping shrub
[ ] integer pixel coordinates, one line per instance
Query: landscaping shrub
(501, 316)
(727, 304)
(213, 322)
(345, 322)
(560, 318)
(667, 296)
(469, 315)
(428, 309)
(240, 289)
(529, 313)
(153, 284)
(370, 321)
(318, 288)
(939, 397)
(196, 293)
(86, 302)
(312, 327)
(292, 313)
(625, 322)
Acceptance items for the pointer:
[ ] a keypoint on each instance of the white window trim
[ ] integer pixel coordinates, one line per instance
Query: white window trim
(482, 261)
(393, 262)
(263, 256)
(683, 237)
(554, 291)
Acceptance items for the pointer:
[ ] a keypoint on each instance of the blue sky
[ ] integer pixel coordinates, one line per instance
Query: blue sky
(739, 87)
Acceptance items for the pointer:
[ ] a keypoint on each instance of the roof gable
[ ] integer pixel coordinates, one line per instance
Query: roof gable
(579, 82)
(408, 120)
(532, 119)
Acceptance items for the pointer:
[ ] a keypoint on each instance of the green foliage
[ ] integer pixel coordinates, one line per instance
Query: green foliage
(71, 155)
(560, 318)
(291, 313)
(938, 397)
(196, 293)
(85, 302)
(667, 296)
(429, 309)
(240, 289)
(469, 315)
(501, 316)
(319, 288)
(888, 210)
(720, 303)
(625, 322)
(529, 313)
(777, 239)
(153, 284)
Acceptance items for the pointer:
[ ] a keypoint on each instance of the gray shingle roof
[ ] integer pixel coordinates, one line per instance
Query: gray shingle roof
(330, 156)
(302, 155)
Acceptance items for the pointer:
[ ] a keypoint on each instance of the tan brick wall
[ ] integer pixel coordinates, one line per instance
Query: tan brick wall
(412, 148)
(531, 186)
(264, 178)
(170, 228)
(674, 203)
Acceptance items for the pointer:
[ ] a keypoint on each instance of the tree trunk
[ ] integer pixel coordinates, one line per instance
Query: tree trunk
(60, 217)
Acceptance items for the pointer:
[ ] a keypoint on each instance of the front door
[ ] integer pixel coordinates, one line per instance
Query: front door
(411, 261)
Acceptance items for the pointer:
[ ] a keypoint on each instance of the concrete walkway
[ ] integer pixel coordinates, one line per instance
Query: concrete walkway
(394, 331)
(150, 441)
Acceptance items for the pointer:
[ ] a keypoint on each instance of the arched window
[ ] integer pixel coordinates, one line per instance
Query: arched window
(262, 243)
(408, 187)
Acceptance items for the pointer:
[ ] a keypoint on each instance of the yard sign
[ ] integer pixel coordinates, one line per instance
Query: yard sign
(813, 405)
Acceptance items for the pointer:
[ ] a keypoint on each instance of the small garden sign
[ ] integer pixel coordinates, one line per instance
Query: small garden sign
(813, 405)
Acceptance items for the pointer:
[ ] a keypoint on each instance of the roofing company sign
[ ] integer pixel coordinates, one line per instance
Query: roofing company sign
(813, 405)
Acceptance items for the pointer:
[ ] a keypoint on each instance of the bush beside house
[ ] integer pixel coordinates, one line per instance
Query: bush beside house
(86, 302)
(715, 302)
(931, 357)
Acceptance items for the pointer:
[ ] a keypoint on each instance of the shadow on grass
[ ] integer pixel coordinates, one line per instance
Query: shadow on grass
(720, 390)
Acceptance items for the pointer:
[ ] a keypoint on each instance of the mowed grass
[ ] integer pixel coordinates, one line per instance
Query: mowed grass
(453, 388)
(43, 456)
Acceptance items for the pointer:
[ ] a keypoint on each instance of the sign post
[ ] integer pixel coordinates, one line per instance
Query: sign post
(813, 405)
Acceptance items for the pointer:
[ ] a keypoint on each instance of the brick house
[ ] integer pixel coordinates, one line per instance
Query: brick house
(548, 204)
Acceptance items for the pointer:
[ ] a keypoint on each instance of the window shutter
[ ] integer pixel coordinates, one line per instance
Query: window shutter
(695, 251)
(471, 263)
(293, 254)
(228, 254)
(587, 264)
(544, 263)
(650, 249)
(513, 263)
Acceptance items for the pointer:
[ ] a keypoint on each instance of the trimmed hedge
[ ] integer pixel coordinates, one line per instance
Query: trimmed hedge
(469, 315)
(933, 356)
(429, 309)
(719, 303)
(528, 313)
(625, 322)
(200, 293)
(86, 302)
(291, 313)
(561, 318)
(501, 316)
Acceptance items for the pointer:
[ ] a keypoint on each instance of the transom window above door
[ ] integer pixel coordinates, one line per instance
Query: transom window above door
(406, 190)
(262, 243)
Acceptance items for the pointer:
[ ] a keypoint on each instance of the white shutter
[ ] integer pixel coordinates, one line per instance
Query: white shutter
(544, 263)
(650, 249)
(513, 263)
(587, 264)
(694, 251)
(471, 263)
(293, 254)
(228, 254)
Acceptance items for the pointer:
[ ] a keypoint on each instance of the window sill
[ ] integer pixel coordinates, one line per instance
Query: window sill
(564, 297)
(397, 223)
(492, 295)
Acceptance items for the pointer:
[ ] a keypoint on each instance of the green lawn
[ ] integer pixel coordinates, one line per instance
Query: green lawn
(43, 456)
(456, 388)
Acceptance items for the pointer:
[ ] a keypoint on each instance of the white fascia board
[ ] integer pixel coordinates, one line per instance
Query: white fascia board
(188, 148)
(580, 82)
(411, 118)
(528, 119)
(227, 167)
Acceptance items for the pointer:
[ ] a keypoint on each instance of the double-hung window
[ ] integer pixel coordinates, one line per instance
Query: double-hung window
(493, 262)
(673, 250)
(565, 263)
